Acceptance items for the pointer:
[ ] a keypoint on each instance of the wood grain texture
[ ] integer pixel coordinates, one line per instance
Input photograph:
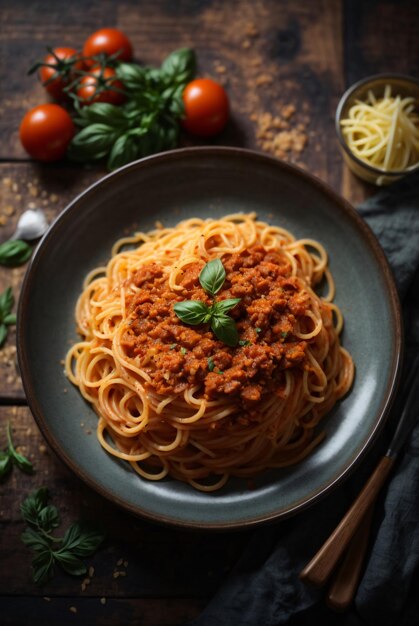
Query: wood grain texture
(75, 610)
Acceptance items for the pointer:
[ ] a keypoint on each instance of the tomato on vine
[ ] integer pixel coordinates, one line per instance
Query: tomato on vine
(107, 42)
(46, 131)
(100, 85)
(206, 107)
(58, 70)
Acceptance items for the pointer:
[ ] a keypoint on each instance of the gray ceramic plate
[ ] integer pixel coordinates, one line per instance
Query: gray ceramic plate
(208, 182)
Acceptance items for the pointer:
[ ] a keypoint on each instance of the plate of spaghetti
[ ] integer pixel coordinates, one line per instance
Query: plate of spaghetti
(230, 333)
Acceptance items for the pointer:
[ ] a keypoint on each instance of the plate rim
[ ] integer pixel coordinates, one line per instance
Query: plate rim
(396, 315)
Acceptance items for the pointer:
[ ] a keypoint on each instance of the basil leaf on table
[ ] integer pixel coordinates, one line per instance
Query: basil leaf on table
(6, 317)
(124, 150)
(101, 113)
(147, 123)
(14, 252)
(179, 67)
(92, 143)
(80, 540)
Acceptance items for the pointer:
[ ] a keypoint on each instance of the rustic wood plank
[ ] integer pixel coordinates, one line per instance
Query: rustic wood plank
(380, 37)
(155, 561)
(105, 611)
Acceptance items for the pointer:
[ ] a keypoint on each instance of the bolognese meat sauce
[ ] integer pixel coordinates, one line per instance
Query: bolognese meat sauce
(178, 357)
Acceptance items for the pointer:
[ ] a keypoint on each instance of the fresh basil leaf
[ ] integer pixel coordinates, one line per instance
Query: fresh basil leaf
(123, 151)
(211, 364)
(6, 302)
(222, 306)
(245, 342)
(35, 540)
(225, 329)
(192, 312)
(14, 252)
(82, 539)
(49, 518)
(43, 567)
(3, 333)
(179, 67)
(33, 505)
(70, 563)
(212, 276)
(92, 143)
(9, 319)
(134, 77)
(22, 462)
(5, 464)
(102, 113)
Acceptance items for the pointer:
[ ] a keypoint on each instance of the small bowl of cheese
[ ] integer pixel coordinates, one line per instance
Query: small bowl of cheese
(377, 123)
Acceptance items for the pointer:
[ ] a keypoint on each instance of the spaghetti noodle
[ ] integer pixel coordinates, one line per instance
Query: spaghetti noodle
(175, 400)
(384, 132)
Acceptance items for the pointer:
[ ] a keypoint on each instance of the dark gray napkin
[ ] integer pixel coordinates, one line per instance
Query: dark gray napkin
(264, 588)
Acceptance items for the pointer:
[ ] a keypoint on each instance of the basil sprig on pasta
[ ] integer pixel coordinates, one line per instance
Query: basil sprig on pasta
(194, 312)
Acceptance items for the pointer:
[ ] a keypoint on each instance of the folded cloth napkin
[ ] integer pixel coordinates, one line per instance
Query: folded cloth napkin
(264, 586)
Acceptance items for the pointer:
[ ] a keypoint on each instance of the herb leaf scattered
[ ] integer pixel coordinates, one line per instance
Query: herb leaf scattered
(10, 457)
(6, 316)
(79, 541)
(14, 252)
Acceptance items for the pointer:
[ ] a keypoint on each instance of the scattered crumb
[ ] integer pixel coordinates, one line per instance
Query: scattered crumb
(47, 599)
(42, 449)
(158, 224)
(277, 135)
(251, 30)
(125, 563)
(263, 79)
(115, 575)
(91, 571)
(103, 600)
(3, 220)
(73, 609)
(119, 563)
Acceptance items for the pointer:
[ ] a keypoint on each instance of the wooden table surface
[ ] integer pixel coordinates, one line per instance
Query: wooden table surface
(269, 54)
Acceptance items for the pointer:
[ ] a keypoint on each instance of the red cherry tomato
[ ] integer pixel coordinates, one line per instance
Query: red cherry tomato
(54, 79)
(101, 85)
(107, 41)
(206, 107)
(46, 131)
